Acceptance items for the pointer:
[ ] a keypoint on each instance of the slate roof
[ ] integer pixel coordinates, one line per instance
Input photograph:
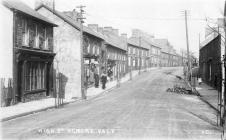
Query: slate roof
(21, 7)
(139, 43)
(72, 22)
(115, 41)
(164, 44)
(208, 39)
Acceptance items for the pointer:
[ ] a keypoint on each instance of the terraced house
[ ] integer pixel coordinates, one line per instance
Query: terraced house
(68, 46)
(116, 52)
(30, 44)
(138, 53)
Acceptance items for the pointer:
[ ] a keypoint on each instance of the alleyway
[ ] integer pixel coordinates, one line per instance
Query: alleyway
(139, 108)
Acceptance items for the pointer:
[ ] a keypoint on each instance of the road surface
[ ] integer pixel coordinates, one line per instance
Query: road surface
(140, 108)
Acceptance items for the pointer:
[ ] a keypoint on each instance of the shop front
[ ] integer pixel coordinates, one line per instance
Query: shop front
(34, 70)
(91, 68)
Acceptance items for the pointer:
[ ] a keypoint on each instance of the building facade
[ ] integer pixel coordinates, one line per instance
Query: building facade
(32, 43)
(94, 53)
(67, 49)
(155, 55)
(210, 62)
(138, 53)
(116, 53)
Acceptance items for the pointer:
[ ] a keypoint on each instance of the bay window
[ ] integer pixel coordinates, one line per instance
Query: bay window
(35, 35)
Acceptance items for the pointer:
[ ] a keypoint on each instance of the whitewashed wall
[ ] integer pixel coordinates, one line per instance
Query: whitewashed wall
(6, 42)
(67, 49)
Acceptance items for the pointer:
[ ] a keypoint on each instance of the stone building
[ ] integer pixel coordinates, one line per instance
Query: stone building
(116, 52)
(138, 52)
(30, 46)
(210, 61)
(68, 47)
(168, 53)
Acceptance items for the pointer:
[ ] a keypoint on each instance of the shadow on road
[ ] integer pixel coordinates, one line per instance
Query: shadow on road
(209, 104)
(204, 118)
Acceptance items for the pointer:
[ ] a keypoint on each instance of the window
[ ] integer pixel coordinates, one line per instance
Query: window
(49, 39)
(24, 33)
(35, 76)
(98, 50)
(41, 37)
(31, 34)
(88, 48)
(94, 49)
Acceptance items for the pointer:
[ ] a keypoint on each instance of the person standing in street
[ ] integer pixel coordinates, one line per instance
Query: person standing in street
(96, 77)
(104, 79)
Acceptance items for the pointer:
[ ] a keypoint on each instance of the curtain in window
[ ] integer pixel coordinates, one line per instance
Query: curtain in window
(35, 76)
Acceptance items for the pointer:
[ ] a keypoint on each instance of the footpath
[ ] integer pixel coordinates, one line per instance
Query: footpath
(209, 95)
(23, 109)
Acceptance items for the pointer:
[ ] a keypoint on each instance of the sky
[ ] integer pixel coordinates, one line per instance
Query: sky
(161, 18)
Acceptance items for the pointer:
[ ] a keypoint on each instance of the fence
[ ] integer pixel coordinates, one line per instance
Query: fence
(6, 91)
(59, 88)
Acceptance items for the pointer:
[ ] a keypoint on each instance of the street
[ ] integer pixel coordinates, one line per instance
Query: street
(140, 108)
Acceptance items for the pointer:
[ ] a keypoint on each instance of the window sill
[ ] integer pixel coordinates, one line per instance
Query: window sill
(35, 48)
(34, 91)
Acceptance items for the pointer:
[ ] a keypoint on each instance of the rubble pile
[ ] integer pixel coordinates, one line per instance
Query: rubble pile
(181, 90)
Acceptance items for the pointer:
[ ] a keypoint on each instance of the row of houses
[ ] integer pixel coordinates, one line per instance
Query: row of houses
(44, 41)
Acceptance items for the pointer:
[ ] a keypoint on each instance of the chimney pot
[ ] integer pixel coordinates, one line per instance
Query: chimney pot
(100, 29)
(124, 36)
(115, 31)
(109, 29)
(93, 27)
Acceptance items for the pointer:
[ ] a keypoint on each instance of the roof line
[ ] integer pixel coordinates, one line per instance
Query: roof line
(33, 13)
(72, 23)
(56, 13)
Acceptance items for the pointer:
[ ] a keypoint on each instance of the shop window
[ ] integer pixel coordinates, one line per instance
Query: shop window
(35, 76)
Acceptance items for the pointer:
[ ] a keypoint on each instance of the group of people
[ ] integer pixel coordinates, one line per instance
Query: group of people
(93, 77)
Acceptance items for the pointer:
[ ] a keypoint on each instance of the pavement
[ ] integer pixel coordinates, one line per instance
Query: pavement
(22, 109)
(140, 108)
(209, 95)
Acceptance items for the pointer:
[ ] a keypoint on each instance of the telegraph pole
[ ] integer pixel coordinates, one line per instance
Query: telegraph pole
(186, 27)
(83, 79)
(139, 54)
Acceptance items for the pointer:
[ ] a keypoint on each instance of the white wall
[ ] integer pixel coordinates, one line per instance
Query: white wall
(67, 49)
(6, 42)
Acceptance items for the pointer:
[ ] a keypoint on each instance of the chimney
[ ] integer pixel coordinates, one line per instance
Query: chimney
(100, 29)
(115, 31)
(93, 27)
(108, 29)
(124, 36)
(72, 14)
(136, 33)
